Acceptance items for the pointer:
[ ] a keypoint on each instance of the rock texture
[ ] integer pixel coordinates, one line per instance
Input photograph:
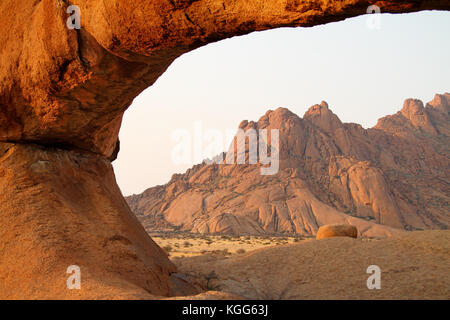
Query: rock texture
(70, 87)
(57, 213)
(62, 96)
(395, 174)
(413, 265)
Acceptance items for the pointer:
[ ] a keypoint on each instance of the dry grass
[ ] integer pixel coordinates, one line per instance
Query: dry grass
(413, 265)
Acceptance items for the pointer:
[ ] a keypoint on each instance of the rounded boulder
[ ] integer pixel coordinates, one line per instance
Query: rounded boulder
(337, 230)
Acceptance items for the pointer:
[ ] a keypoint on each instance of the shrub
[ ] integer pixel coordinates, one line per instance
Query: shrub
(187, 244)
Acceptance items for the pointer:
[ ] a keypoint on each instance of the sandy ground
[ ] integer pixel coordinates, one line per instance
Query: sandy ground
(190, 245)
(414, 265)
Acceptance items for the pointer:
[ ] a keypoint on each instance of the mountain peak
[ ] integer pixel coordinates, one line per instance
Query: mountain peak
(412, 107)
(432, 119)
(440, 102)
(414, 111)
(275, 118)
(280, 113)
(323, 117)
(324, 104)
(328, 172)
(318, 109)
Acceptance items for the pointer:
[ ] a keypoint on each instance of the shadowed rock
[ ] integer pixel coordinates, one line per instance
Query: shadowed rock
(71, 87)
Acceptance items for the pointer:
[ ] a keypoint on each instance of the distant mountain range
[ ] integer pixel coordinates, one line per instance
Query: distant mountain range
(394, 176)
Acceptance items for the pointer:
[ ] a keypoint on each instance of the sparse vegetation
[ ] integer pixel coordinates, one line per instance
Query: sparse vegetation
(188, 245)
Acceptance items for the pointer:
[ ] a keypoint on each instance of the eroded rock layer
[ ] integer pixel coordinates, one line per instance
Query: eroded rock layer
(57, 212)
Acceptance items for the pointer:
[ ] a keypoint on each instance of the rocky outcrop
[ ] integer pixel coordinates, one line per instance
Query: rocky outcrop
(62, 96)
(337, 230)
(394, 175)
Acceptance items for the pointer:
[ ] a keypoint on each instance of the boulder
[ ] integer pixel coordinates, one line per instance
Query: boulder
(337, 230)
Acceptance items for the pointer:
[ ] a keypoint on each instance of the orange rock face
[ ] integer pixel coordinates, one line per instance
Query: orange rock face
(391, 177)
(62, 96)
(57, 213)
(338, 230)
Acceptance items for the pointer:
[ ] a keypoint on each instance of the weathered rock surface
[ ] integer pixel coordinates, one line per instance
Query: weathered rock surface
(70, 87)
(337, 230)
(66, 91)
(414, 265)
(330, 172)
(57, 213)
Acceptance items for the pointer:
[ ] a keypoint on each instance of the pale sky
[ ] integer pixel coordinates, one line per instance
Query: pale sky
(362, 73)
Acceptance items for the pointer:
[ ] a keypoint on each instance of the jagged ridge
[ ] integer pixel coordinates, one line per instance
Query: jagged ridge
(394, 175)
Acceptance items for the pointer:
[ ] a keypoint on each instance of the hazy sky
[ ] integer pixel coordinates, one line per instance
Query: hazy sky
(362, 73)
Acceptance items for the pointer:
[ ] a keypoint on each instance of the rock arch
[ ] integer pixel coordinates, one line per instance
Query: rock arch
(62, 96)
